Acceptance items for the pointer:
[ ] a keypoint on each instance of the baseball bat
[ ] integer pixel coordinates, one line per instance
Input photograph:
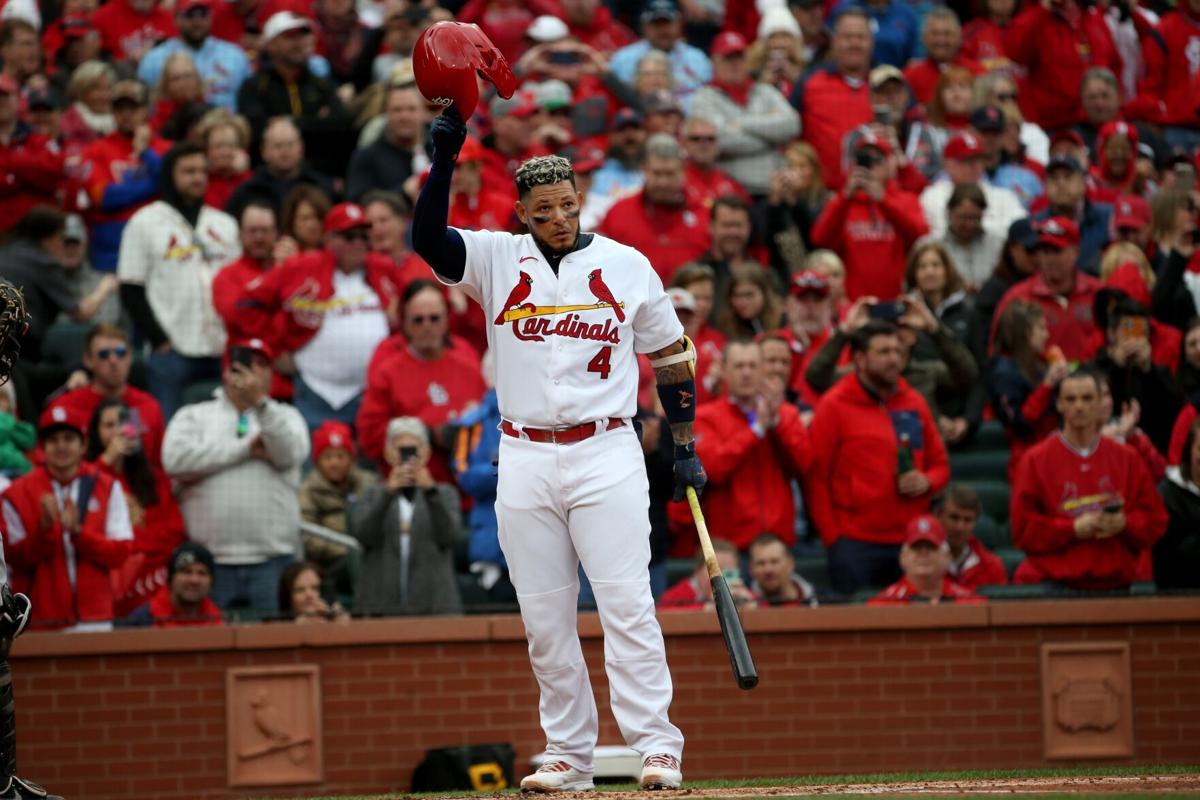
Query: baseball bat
(740, 659)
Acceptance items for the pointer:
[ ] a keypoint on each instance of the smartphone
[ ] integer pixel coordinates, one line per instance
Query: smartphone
(563, 57)
(407, 453)
(242, 355)
(890, 310)
(1113, 507)
(1133, 328)
(1185, 177)
(732, 577)
(865, 159)
(883, 115)
(128, 425)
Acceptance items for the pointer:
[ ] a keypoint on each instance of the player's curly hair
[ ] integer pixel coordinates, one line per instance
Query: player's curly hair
(543, 171)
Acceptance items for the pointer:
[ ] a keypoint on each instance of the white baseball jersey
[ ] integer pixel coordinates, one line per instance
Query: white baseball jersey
(565, 346)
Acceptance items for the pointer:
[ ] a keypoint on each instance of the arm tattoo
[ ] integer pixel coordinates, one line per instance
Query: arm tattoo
(681, 432)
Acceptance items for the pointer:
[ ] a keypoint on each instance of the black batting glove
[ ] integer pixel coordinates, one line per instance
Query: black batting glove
(448, 132)
(688, 471)
(14, 612)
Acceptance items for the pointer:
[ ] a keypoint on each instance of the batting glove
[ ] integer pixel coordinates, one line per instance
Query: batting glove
(448, 132)
(688, 471)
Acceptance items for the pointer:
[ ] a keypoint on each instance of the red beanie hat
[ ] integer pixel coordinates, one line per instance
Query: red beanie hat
(332, 434)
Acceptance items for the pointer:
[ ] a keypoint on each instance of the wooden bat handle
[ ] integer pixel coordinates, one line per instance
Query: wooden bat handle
(706, 546)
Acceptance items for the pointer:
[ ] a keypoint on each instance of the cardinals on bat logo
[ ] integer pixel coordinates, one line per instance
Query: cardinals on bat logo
(530, 321)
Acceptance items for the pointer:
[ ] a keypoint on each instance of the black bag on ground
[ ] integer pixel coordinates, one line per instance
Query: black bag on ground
(478, 767)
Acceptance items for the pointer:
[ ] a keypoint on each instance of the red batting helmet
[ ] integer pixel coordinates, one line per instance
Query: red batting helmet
(446, 58)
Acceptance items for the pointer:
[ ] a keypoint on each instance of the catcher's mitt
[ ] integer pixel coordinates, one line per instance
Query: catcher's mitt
(14, 324)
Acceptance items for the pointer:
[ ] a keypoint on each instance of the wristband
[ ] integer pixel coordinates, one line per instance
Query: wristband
(685, 451)
(679, 401)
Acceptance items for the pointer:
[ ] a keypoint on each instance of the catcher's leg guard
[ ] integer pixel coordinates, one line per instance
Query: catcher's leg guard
(12, 787)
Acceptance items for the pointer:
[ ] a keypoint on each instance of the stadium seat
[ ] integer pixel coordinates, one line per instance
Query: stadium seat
(990, 436)
(975, 464)
(1014, 591)
(993, 534)
(1011, 557)
(64, 342)
(815, 570)
(678, 569)
(994, 494)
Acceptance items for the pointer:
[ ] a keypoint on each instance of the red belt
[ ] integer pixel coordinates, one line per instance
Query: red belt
(571, 435)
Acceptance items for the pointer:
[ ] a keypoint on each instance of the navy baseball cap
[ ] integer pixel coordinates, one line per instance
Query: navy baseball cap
(1022, 232)
(1064, 161)
(626, 118)
(660, 9)
(987, 119)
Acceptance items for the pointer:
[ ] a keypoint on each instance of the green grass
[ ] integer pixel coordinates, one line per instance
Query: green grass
(885, 777)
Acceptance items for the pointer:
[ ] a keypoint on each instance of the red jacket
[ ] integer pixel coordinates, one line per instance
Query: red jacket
(229, 287)
(923, 76)
(801, 356)
(851, 487)
(299, 288)
(710, 343)
(1183, 424)
(403, 385)
(903, 593)
(687, 596)
(830, 107)
(31, 172)
(873, 238)
(165, 615)
(749, 488)
(603, 33)
(221, 187)
(128, 35)
(670, 236)
(1056, 53)
(486, 211)
(703, 186)
(983, 41)
(1166, 75)
(1055, 484)
(1071, 328)
(978, 567)
(85, 399)
(40, 560)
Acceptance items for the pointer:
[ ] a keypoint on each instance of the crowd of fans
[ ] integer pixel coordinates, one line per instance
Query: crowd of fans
(884, 224)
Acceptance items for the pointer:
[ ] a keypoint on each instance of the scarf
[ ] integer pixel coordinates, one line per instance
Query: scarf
(102, 124)
(737, 92)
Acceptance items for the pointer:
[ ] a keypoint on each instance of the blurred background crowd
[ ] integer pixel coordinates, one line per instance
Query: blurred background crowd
(939, 262)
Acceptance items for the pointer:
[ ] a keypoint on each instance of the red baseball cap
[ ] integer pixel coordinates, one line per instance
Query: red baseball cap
(76, 26)
(962, 146)
(925, 528)
(184, 6)
(1057, 232)
(471, 150)
(257, 345)
(728, 43)
(1131, 211)
(58, 416)
(344, 217)
(808, 281)
(869, 139)
(1067, 135)
(332, 434)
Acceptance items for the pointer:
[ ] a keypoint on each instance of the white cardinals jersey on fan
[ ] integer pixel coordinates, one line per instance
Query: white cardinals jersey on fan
(565, 345)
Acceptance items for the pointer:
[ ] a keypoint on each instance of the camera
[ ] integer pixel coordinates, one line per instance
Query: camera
(865, 159)
(407, 453)
(563, 58)
(883, 115)
(889, 310)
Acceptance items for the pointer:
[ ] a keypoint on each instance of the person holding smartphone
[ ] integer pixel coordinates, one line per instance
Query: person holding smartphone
(407, 527)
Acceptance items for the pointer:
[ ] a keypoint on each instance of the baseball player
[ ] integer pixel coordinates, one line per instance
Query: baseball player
(567, 312)
(14, 608)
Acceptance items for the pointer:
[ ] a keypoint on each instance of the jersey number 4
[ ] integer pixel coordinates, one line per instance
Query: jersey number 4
(601, 362)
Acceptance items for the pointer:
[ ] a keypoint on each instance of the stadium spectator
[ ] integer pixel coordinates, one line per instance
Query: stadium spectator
(878, 459)
(1023, 376)
(90, 287)
(66, 527)
(1056, 43)
(222, 66)
(108, 358)
(1015, 264)
(178, 97)
(326, 494)
(1001, 89)
(1065, 294)
(730, 227)
(184, 601)
(17, 437)
(942, 36)
(391, 159)
(70, 41)
(753, 444)
(114, 446)
(1174, 226)
(776, 57)
(871, 223)
(660, 221)
(1121, 425)
(829, 266)
(129, 29)
(301, 596)
(773, 575)
(662, 30)
(703, 180)
(90, 115)
(897, 29)
(170, 251)
(925, 560)
(1115, 169)
(752, 118)
(749, 305)
(592, 23)
(795, 200)
(694, 592)
(983, 36)
(919, 160)
(237, 460)
(1066, 193)
(473, 204)
(1004, 165)
(284, 85)
(1131, 222)
(963, 159)
(663, 113)
(1165, 75)
(426, 379)
(283, 168)
(1083, 506)
(226, 140)
(120, 173)
(388, 214)
(810, 324)
(305, 208)
(974, 250)
(949, 112)
(31, 164)
(347, 43)
(20, 50)
(621, 174)
(338, 303)
(407, 526)
(834, 100)
(972, 565)
(700, 282)
(1177, 553)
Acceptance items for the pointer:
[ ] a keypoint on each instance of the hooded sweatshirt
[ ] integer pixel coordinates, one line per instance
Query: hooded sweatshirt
(1105, 186)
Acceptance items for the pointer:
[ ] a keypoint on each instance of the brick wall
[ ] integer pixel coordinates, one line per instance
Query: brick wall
(142, 714)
